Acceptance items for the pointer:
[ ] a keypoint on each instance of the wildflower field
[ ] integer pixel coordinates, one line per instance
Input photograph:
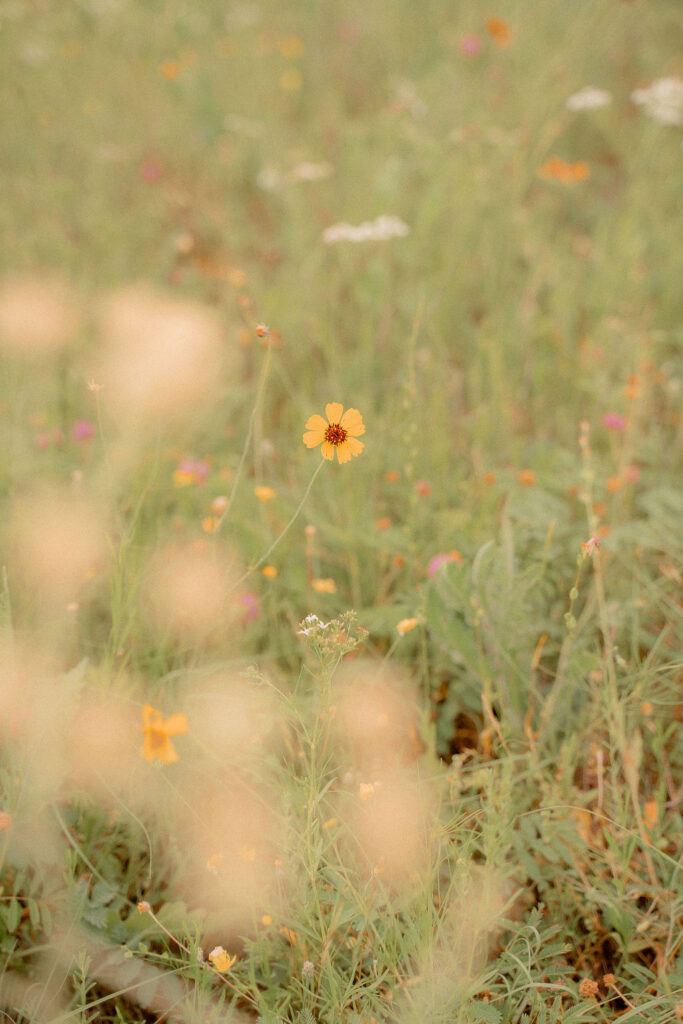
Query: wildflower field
(341, 512)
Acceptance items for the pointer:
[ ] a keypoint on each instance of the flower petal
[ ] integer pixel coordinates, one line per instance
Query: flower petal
(327, 450)
(313, 437)
(167, 753)
(349, 448)
(352, 422)
(333, 411)
(176, 724)
(316, 422)
(148, 714)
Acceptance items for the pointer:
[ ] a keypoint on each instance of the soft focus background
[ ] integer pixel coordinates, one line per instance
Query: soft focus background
(390, 741)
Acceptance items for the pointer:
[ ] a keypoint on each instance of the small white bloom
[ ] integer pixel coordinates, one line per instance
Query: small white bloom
(589, 98)
(378, 230)
(662, 101)
(310, 172)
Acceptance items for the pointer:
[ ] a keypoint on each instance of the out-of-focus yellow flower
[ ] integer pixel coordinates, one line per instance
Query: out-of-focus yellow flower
(290, 47)
(158, 732)
(221, 960)
(266, 920)
(264, 493)
(405, 626)
(324, 586)
(366, 790)
(339, 432)
(269, 571)
(291, 80)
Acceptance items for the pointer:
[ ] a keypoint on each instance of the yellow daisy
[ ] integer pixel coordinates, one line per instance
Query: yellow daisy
(157, 734)
(340, 432)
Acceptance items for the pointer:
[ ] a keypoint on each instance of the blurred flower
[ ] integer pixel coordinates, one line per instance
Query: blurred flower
(251, 605)
(221, 960)
(264, 493)
(557, 168)
(663, 100)
(191, 471)
(527, 477)
(144, 907)
(82, 430)
(339, 432)
(589, 98)
(269, 571)
(366, 790)
(307, 171)
(614, 483)
(423, 488)
(499, 31)
(169, 69)
(378, 230)
(470, 44)
(290, 47)
(489, 478)
(291, 80)
(266, 920)
(392, 476)
(307, 970)
(211, 524)
(150, 170)
(405, 626)
(383, 523)
(440, 560)
(157, 734)
(5, 821)
(38, 314)
(591, 546)
(632, 474)
(613, 421)
(214, 862)
(219, 505)
(93, 386)
(324, 586)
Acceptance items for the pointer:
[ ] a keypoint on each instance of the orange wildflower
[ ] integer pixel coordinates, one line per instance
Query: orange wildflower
(269, 571)
(499, 31)
(158, 732)
(264, 493)
(339, 432)
(405, 626)
(383, 523)
(324, 586)
(527, 477)
(557, 168)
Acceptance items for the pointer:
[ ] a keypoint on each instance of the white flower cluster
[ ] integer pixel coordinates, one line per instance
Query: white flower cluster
(377, 230)
(663, 100)
(313, 623)
(589, 98)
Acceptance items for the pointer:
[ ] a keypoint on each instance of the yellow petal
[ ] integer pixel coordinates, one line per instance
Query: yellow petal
(327, 450)
(167, 754)
(313, 437)
(176, 724)
(333, 411)
(352, 422)
(316, 422)
(349, 448)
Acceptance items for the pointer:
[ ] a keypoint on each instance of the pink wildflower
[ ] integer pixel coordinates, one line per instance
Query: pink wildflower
(613, 421)
(82, 430)
(440, 560)
(470, 44)
(191, 471)
(150, 170)
(251, 605)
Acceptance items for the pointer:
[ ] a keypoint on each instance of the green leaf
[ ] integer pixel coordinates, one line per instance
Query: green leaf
(483, 1013)
(305, 1017)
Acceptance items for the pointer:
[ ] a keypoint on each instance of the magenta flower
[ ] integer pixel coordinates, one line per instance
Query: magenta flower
(613, 421)
(191, 471)
(150, 170)
(251, 605)
(470, 44)
(82, 430)
(440, 560)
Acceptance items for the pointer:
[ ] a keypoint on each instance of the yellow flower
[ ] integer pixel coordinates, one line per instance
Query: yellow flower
(340, 432)
(366, 790)
(264, 493)
(269, 571)
(157, 732)
(221, 960)
(405, 626)
(266, 920)
(324, 586)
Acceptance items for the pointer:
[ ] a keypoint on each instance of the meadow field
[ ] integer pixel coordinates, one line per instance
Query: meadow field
(341, 515)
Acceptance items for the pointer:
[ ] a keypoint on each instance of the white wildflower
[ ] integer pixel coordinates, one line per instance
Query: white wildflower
(378, 230)
(589, 98)
(663, 100)
(307, 171)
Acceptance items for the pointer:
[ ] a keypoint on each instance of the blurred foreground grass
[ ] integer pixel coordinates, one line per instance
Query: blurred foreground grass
(224, 796)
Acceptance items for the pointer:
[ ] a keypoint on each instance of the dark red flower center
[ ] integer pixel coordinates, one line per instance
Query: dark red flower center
(335, 434)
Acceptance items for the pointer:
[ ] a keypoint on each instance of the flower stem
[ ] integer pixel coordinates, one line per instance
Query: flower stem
(280, 536)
